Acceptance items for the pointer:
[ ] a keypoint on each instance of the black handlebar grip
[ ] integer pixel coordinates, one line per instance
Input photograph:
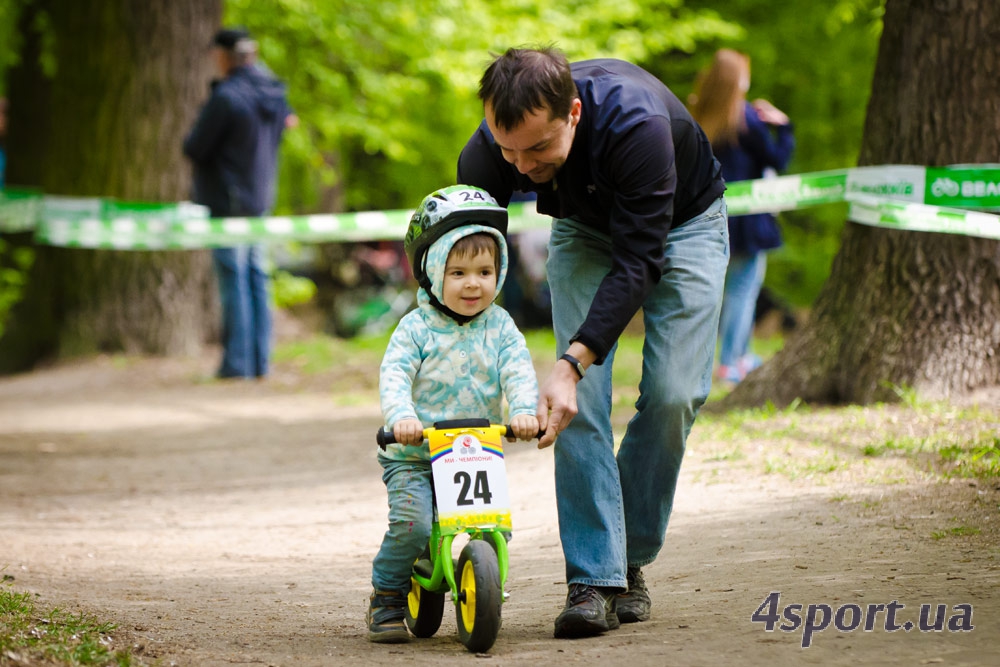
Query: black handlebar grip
(384, 437)
(509, 433)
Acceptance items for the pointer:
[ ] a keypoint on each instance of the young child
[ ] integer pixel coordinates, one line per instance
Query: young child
(456, 356)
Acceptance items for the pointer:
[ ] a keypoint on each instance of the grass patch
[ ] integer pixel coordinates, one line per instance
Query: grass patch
(880, 443)
(895, 446)
(349, 367)
(808, 468)
(957, 531)
(28, 636)
(321, 353)
(978, 458)
(733, 453)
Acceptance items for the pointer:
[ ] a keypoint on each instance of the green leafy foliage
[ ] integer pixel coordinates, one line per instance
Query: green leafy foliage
(14, 264)
(291, 290)
(386, 92)
(9, 39)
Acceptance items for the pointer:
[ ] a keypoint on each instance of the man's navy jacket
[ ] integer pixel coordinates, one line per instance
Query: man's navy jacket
(638, 167)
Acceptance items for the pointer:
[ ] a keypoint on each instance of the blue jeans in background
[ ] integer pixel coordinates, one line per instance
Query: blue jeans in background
(411, 512)
(613, 511)
(246, 311)
(744, 279)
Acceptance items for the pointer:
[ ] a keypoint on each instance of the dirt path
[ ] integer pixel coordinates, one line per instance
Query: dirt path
(232, 524)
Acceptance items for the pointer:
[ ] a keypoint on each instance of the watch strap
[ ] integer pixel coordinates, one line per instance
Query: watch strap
(575, 363)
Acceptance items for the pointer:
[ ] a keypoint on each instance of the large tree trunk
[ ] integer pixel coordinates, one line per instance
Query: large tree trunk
(909, 310)
(129, 78)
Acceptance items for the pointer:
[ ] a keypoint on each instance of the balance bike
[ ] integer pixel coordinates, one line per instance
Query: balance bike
(470, 497)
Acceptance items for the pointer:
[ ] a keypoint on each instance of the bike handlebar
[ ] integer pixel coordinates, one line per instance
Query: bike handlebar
(384, 437)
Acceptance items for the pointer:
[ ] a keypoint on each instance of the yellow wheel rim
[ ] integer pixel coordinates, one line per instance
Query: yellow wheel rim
(468, 606)
(413, 598)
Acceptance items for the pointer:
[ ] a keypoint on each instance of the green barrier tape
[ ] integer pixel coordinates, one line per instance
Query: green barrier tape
(785, 193)
(94, 224)
(975, 186)
(913, 217)
(107, 223)
(958, 186)
(20, 209)
(170, 230)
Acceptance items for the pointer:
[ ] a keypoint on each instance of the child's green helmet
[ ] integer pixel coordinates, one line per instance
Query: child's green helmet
(444, 210)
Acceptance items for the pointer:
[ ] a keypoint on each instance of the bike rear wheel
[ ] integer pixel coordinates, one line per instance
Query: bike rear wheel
(480, 596)
(424, 610)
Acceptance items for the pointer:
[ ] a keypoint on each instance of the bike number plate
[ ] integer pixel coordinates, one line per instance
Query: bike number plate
(470, 479)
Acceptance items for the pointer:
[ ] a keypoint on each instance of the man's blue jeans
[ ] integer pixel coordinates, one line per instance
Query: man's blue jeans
(613, 511)
(246, 311)
(739, 302)
(411, 512)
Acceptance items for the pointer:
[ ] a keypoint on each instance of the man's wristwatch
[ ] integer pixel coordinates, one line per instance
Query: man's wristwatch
(575, 363)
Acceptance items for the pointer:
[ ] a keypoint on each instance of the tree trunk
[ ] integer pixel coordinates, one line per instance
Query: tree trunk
(909, 311)
(129, 78)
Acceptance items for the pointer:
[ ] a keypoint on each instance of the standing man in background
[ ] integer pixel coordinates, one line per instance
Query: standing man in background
(640, 222)
(234, 148)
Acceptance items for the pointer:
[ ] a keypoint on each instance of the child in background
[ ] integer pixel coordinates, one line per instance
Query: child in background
(456, 356)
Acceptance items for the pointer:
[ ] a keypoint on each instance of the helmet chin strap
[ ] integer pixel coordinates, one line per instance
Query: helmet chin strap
(461, 319)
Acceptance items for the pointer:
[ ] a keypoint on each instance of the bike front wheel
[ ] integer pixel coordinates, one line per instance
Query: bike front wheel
(480, 596)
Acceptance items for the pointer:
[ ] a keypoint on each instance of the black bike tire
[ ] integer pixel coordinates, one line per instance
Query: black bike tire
(486, 598)
(429, 607)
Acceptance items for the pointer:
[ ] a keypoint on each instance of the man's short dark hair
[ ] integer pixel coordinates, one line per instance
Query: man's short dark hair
(525, 80)
(228, 38)
(238, 43)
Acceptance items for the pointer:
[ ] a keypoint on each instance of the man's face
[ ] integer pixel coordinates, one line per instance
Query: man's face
(222, 61)
(539, 146)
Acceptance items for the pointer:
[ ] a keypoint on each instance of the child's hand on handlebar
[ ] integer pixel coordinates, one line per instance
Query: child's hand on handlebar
(408, 432)
(525, 427)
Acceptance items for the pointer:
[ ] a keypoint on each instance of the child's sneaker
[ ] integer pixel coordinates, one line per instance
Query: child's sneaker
(385, 617)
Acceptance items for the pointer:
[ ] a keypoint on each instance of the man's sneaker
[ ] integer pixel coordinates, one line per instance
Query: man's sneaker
(589, 611)
(385, 618)
(633, 605)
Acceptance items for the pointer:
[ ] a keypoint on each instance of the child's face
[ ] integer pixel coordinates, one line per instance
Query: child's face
(470, 282)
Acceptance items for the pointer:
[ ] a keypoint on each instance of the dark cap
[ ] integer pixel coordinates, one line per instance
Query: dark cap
(227, 38)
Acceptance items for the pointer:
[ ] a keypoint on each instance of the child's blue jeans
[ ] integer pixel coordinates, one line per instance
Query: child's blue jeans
(411, 512)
